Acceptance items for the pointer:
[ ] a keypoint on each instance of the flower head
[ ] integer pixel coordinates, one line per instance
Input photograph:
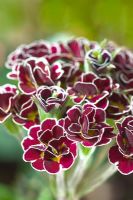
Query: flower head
(24, 111)
(47, 148)
(99, 58)
(7, 94)
(118, 106)
(51, 97)
(92, 88)
(124, 70)
(87, 125)
(122, 154)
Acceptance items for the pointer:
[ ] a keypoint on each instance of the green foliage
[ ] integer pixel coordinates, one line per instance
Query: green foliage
(12, 127)
(6, 193)
(23, 22)
(10, 147)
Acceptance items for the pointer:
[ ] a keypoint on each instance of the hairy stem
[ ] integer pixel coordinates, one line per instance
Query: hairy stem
(82, 165)
(60, 184)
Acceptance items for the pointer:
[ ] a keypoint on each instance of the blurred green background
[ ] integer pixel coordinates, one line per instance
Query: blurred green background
(22, 21)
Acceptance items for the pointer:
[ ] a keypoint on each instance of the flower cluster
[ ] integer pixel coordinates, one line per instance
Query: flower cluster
(70, 94)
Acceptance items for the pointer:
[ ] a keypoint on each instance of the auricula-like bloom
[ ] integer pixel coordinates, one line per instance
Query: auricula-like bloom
(93, 89)
(7, 94)
(47, 148)
(36, 72)
(51, 97)
(99, 58)
(124, 69)
(122, 154)
(118, 106)
(87, 125)
(24, 111)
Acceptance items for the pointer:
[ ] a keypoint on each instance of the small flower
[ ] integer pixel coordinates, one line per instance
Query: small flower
(7, 94)
(118, 106)
(124, 69)
(122, 154)
(87, 125)
(99, 58)
(70, 52)
(36, 72)
(36, 49)
(93, 89)
(47, 148)
(74, 49)
(24, 111)
(51, 97)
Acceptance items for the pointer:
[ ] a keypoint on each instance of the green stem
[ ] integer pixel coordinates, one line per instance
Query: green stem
(61, 188)
(82, 166)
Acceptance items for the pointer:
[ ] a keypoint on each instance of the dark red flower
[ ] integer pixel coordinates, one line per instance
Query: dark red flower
(118, 106)
(36, 49)
(74, 49)
(24, 111)
(124, 69)
(51, 97)
(87, 125)
(7, 94)
(47, 148)
(99, 58)
(122, 154)
(71, 51)
(36, 72)
(93, 89)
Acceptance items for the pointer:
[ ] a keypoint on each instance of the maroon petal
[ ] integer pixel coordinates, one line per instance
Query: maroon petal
(57, 131)
(67, 161)
(124, 164)
(26, 83)
(88, 77)
(76, 128)
(74, 113)
(46, 137)
(38, 164)
(51, 166)
(100, 115)
(27, 142)
(87, 89)
(51, 163)
(34, 131)
(32, 154)
(48, 124)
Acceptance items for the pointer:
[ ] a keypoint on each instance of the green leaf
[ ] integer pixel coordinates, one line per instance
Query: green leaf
(6, 193)
(12, 127)
(84, 151)
(112, 123)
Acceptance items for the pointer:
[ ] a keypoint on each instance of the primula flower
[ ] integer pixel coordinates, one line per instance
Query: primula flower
(72, 51)
(47, 148)
(99, 58)
(24, 111)
(118, 106)
(92, 88)
(122, 154)
(87, 125)
(7, 94)
(36, 49)
(36, 72)
(51, 97)
(124, 69)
